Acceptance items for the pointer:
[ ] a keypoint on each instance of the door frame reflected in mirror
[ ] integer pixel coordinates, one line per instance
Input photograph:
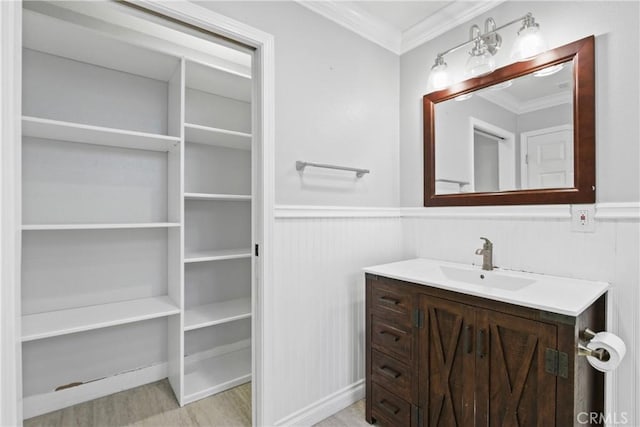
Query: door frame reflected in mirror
(582, 53)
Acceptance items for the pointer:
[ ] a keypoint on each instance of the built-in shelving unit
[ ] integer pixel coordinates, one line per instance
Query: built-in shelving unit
(217, 196)
(137, 210)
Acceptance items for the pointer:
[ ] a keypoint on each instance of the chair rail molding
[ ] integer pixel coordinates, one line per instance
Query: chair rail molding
(604, 211)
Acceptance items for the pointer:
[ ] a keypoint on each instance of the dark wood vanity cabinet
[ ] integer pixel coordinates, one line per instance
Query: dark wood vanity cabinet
(441, 358)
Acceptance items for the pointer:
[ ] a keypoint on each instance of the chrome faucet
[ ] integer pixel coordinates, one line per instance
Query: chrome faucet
(487, 254)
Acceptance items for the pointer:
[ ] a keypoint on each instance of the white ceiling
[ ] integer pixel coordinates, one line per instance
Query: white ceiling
(399, 25)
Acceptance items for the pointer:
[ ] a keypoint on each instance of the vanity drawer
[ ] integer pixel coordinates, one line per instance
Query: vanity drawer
(388, 407)
(392, 339)
(394, 375)
(391, 299)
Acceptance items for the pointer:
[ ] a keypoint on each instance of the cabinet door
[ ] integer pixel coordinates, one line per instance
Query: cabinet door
(446, 351)
(513, 388)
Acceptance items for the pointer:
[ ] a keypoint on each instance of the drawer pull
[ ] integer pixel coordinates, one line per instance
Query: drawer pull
(389, 372)
(389, 300)
(394, 336)
(392, 409)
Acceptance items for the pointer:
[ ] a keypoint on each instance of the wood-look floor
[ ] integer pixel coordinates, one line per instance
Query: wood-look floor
(154, 405)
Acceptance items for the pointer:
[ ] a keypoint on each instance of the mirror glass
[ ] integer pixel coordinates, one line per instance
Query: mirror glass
(514, 135)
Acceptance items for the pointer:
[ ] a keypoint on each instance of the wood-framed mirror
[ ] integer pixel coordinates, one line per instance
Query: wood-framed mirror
(524, 134)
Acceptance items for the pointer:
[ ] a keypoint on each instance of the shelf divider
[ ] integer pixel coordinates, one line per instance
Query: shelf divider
(217, 255)
(36, 227)
(217, 313)
(218, 137)
(96, 135)
(62, 322)
(215, 374)
(211, 196)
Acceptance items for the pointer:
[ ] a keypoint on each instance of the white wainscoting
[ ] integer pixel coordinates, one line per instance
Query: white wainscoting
(319, 299)
(316, 347)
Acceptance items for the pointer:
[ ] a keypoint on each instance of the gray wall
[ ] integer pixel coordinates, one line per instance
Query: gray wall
(337, 101)
(615, 25)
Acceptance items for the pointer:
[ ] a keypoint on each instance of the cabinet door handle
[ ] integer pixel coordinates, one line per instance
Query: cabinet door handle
(394, 336)
(389, 371)
(467, 339)
(389, 300)
(392, 409)
(480, 343)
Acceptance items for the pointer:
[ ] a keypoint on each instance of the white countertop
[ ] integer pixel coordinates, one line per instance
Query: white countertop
(561, 295)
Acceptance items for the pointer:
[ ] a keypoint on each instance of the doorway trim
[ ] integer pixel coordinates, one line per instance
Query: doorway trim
(506, 153)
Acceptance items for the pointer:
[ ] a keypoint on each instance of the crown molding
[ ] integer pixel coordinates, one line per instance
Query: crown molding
(359, 21)
(372, 28)
(445, 19)
(509, 102)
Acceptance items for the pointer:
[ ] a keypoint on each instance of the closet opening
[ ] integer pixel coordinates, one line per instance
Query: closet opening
(142, 177)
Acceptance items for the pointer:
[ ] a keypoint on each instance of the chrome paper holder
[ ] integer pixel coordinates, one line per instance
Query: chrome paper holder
(600, 354)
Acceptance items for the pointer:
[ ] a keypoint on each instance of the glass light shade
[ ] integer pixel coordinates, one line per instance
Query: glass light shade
(548, 71)
(438, 78)
(463, 97)
(528, 44)
(480, 65)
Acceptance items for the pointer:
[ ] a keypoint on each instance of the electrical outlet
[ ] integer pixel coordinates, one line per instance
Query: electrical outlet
(583, 218)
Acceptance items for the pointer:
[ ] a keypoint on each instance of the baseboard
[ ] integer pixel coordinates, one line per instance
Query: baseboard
(42, 403)
(325, 407)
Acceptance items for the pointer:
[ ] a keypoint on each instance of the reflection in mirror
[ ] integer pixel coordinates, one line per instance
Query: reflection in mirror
(514, 135)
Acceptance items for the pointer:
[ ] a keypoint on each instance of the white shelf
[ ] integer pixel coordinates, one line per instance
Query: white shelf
(55, 323)
(218, 137)
(97, 135)
(35, 227)
(71, 37)
(208, 196)
(226, 83)
(216, 374)
(219, 255)
(217, 313)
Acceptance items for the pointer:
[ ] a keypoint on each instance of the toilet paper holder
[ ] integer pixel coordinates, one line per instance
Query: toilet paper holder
(600, 354)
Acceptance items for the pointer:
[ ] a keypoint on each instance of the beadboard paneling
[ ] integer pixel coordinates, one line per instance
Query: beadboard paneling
(317, 317)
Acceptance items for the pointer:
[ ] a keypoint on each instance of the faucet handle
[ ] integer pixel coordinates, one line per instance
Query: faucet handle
(487, 242)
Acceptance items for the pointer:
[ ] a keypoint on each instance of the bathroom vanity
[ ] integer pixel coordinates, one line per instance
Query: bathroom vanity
(449, 344)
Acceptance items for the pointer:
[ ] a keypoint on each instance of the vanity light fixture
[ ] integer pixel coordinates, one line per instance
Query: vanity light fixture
(528, 44)
(439, 77)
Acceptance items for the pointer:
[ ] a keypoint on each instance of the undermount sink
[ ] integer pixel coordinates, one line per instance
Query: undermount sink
(491, 279)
